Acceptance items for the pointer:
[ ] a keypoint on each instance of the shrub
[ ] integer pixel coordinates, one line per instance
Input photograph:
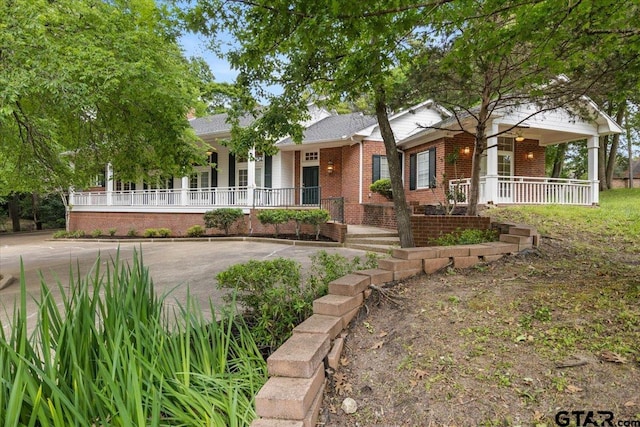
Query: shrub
(132, 232)
(164, 232)
(222, 218)
(326, 267)
(111, 347)
(316, 217)
(112, 232)
(298, 217)
(78, 234)
(466, 237)
(61, 234)
(150, 232)
(273, 297)
(96, 233)
(274, 217)
(382, 186)
(195, 231)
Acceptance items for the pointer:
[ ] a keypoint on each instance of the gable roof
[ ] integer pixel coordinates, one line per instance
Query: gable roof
(217, 124)
(333, 128)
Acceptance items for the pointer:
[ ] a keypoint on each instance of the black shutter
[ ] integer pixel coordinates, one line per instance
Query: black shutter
(432, 168)
(232, 170)
(267, 171)
(412, 172)
(376, 168)
(214, 169)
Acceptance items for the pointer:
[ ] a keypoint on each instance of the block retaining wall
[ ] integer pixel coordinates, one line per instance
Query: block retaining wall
(293, 394)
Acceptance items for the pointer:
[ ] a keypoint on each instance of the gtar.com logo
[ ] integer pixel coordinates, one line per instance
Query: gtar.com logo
(591, 419)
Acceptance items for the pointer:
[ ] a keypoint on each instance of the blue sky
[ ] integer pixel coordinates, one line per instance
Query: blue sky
(196, 45)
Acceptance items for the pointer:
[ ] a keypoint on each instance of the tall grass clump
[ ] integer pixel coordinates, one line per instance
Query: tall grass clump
(109, 354)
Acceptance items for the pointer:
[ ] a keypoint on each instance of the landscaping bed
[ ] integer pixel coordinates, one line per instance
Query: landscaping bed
(512, 343)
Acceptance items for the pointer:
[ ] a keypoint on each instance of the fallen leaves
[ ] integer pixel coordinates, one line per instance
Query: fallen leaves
(610, 356)
(341, 385)
(377, 345)
(573, 389)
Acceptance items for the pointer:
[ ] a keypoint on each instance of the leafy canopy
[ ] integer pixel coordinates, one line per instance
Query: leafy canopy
(85, 82)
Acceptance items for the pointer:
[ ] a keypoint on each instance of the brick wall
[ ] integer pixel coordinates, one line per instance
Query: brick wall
(379, 215)
(429, 227)
(427, 196)
(525, 166)
(334, 231)
(331, 184)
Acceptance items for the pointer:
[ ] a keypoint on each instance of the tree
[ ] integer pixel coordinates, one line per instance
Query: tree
(85, 82)
(335, 49)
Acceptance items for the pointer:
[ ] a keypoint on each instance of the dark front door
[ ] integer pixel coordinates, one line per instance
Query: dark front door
(310, 184)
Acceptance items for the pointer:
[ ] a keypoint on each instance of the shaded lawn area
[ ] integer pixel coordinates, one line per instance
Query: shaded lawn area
(510, 343)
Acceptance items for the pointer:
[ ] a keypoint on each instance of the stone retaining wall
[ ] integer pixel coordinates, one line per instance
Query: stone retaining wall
(292, 397)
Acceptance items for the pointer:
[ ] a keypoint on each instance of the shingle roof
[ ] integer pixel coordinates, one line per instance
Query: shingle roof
(334, 128)
(216, 123)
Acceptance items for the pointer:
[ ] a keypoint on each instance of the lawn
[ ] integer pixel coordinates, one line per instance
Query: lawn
(529, 340)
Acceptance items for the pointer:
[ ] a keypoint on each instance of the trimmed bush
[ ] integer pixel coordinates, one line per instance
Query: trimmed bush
(61, 234)
(112, 231)
(132, 232)
(150, 232)
(222, 218)
(195, 231)
(164, 232)
(382, 186)
(96, 233)
(275, 217)
(316, 217)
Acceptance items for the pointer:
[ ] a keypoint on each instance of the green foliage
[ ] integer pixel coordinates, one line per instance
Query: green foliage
(112, 231)
(275, 217)
(89, 83)
(164, 232)
(466, 237)
(78, 234)
(274, 295)
(382, 186)
(222, 218)
(316, 217)
(132, 232)
(113, 355)
(150, 232)
(61, 234)
(96, 233)
(195, 231)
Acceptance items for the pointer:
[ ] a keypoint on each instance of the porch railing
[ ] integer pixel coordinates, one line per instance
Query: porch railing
(335, 207)
(531, 190)
(200, 197)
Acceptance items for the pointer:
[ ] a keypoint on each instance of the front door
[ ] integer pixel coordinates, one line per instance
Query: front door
(310, 185)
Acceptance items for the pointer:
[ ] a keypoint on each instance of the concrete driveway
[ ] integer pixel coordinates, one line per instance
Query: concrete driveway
(180, 266)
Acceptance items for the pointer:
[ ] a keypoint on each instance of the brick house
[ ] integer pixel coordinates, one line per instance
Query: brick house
(342, 154)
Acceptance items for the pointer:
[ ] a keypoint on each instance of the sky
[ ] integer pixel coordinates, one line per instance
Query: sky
(195, 45)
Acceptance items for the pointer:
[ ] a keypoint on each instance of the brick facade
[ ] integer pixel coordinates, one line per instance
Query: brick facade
(429, 227)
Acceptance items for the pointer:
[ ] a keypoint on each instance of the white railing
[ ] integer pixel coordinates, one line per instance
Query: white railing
(525, 190)
(198, 198)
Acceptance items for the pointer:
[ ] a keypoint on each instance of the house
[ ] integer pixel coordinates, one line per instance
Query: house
(342, 154)
(621, 180)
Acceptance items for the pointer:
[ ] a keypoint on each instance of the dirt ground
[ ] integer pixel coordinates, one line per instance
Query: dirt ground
(513, 343)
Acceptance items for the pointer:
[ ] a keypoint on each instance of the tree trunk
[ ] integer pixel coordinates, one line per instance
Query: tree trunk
(36, 210)
(613, 151)
(629, 149)
(602, 162)
(478, 149)
(14, 211)
(403, 217)
(558, 161)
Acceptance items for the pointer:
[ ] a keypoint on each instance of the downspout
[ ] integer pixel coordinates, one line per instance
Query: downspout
(360, 172)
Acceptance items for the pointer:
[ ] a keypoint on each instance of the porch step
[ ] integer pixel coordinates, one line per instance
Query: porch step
(390, 241)
(383, 249)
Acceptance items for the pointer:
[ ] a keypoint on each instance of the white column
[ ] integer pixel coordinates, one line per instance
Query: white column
(491, 186)
(593, 145)
(109, 183)
(251, 176)
(184, 191)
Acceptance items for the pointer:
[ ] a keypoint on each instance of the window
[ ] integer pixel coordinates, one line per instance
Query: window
(243, 177)
(199, 180)
(422, 170)
(311, 156)
(381, 167)
(124, 186)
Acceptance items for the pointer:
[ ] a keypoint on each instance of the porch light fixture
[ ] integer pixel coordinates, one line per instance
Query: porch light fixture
(530, 155)
(519, 136)
(466, 151)
(330, 167)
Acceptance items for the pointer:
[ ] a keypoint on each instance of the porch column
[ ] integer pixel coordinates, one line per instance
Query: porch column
(593, 145)
(251, 176)
(109, 183)
(491, 183)
(184, 191)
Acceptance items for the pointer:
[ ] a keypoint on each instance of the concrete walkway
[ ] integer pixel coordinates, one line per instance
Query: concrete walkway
(373, 239)
(181, 266)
